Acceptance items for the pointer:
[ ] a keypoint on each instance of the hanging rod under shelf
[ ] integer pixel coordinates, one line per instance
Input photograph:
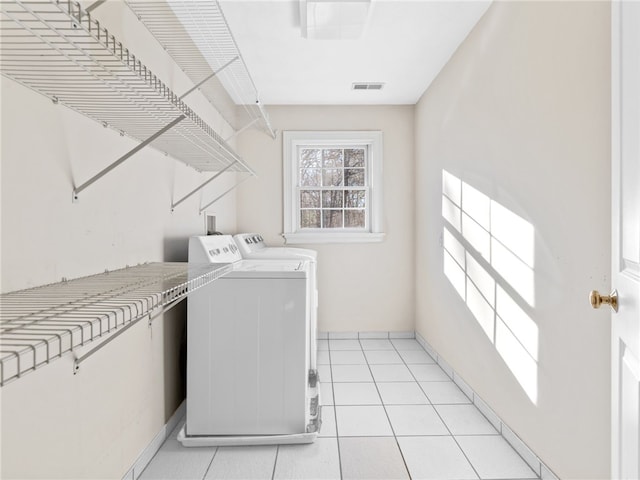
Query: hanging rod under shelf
(59, 50)
(41, 324)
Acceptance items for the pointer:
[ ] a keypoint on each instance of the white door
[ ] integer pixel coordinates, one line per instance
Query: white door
(625, 265)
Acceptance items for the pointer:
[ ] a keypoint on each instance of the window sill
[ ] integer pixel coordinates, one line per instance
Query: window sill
(331, 237)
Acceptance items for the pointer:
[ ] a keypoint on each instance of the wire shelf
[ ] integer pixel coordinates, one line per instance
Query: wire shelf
(59, 50)
(197, 36)
(41, 324)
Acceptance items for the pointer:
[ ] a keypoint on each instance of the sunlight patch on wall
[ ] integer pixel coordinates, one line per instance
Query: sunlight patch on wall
(489, 261)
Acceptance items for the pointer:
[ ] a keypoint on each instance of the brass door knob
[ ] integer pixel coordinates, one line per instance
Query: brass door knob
(596, 299)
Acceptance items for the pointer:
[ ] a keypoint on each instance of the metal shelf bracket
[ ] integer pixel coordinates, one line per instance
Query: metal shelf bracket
(238, 132)
(208, 77)
(174, 205)
(265, 118)
(196, 34)
(155, 136)
(78, 360)
(94, 5)
(202, 209)
(123, 158)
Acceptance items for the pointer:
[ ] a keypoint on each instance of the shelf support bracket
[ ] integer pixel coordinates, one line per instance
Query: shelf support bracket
(224, 193)
(163, 309)
(265, 118)
(121, 160)
(238, 132)
(174, 205)
(208, 77)
(94, 5)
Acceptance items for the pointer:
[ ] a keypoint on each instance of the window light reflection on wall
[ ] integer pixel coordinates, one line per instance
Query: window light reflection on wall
(489, 261)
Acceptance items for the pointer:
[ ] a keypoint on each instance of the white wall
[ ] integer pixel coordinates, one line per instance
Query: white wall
(521, 114)
(363, 287)
(94, 424)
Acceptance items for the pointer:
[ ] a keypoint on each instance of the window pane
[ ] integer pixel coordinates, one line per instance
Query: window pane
(310, 199)
(332, 157)
(310, 177)
(332, 198)
(332, 219)
(354, 177)
(354, 157)
(355, 199)
(310, 218)
(310, 157)
(354, 218)
(331, 177)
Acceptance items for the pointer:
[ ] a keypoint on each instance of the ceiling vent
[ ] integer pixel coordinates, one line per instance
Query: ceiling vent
(367, 86)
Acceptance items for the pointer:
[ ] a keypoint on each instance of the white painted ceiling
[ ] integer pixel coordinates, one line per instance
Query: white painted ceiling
(405, 44)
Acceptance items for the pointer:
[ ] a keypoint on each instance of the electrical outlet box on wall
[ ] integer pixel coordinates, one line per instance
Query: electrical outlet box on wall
(209, 223)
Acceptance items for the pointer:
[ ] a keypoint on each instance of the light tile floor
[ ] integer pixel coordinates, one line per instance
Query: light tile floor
(389, 412)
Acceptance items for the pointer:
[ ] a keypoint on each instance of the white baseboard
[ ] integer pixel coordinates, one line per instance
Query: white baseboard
(147, 454)
(363, 335)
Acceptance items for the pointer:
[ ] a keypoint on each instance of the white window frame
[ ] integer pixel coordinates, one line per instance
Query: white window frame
(292, 141)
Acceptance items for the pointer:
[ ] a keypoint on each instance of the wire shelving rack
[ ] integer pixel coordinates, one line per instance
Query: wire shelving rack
(59, 50)
(41, 324)
(197, 36)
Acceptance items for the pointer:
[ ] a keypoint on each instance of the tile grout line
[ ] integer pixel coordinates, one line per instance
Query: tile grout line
(275, 463)
(335, 410)
(434, 408)
(384, 407)
(215, 452)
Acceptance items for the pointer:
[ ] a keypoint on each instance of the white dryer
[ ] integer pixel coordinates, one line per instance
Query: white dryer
(248, 380)
(252, 246)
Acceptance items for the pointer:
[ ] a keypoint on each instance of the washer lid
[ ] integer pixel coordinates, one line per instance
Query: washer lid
(282, 253)
(269, 269)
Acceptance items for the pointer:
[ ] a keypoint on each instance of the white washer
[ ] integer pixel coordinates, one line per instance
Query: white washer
(252, 246)
(248, 379)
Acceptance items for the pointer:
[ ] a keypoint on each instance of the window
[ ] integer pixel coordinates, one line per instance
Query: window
(332, 187)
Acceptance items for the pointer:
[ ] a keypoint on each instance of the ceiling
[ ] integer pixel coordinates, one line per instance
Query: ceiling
(404, 45)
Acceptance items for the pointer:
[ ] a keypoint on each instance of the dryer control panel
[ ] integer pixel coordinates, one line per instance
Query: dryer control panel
(213, 249)
(249, 243)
